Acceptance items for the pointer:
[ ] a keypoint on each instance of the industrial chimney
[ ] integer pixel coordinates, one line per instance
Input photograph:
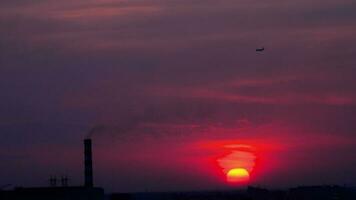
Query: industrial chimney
(88, 164)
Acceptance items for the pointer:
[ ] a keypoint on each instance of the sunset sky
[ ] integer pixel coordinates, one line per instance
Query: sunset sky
(177, 94)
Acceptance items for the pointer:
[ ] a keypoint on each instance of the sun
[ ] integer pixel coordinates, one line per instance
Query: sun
(237, 175)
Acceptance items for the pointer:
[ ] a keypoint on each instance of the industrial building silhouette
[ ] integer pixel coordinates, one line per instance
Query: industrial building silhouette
(59, 190)
(62, 192)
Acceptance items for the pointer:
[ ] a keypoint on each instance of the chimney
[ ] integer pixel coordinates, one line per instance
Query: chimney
(88, 164)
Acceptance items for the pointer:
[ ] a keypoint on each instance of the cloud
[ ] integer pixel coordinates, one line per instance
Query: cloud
(280, 90)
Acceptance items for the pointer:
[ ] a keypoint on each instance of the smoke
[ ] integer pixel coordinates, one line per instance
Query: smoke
(95, 130)
(121, 128)
(132, 130)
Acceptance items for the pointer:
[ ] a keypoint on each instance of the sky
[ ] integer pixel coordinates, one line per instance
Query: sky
(176, 93)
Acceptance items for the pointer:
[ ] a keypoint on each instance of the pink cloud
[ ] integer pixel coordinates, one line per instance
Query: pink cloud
(285, 97)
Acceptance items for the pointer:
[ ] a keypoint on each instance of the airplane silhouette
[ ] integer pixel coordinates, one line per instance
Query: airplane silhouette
(260, 49)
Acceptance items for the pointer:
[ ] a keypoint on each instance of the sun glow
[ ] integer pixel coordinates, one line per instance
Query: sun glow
(238, 175)
(237, 163)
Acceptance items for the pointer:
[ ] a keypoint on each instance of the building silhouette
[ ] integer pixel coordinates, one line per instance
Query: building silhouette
(59, 189)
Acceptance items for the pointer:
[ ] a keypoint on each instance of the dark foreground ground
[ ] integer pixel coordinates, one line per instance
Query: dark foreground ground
(251, 193)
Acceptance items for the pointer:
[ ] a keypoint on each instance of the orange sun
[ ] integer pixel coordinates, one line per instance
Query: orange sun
(237, 175)
(238, 163)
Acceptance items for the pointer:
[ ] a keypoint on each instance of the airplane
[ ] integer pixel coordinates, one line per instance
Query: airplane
(260, 49)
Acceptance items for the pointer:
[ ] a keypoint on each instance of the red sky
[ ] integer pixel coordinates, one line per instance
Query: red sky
(174, 83)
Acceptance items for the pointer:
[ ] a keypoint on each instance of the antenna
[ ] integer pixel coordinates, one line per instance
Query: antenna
(64, 181)
(53, 181)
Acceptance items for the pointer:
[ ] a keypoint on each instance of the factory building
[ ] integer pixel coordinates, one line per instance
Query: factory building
(85, 192)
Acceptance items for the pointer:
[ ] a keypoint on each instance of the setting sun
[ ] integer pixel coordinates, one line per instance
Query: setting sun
(237, 162)
(238, 175)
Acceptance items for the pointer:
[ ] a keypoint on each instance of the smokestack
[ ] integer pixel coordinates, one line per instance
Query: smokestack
(88, 164)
